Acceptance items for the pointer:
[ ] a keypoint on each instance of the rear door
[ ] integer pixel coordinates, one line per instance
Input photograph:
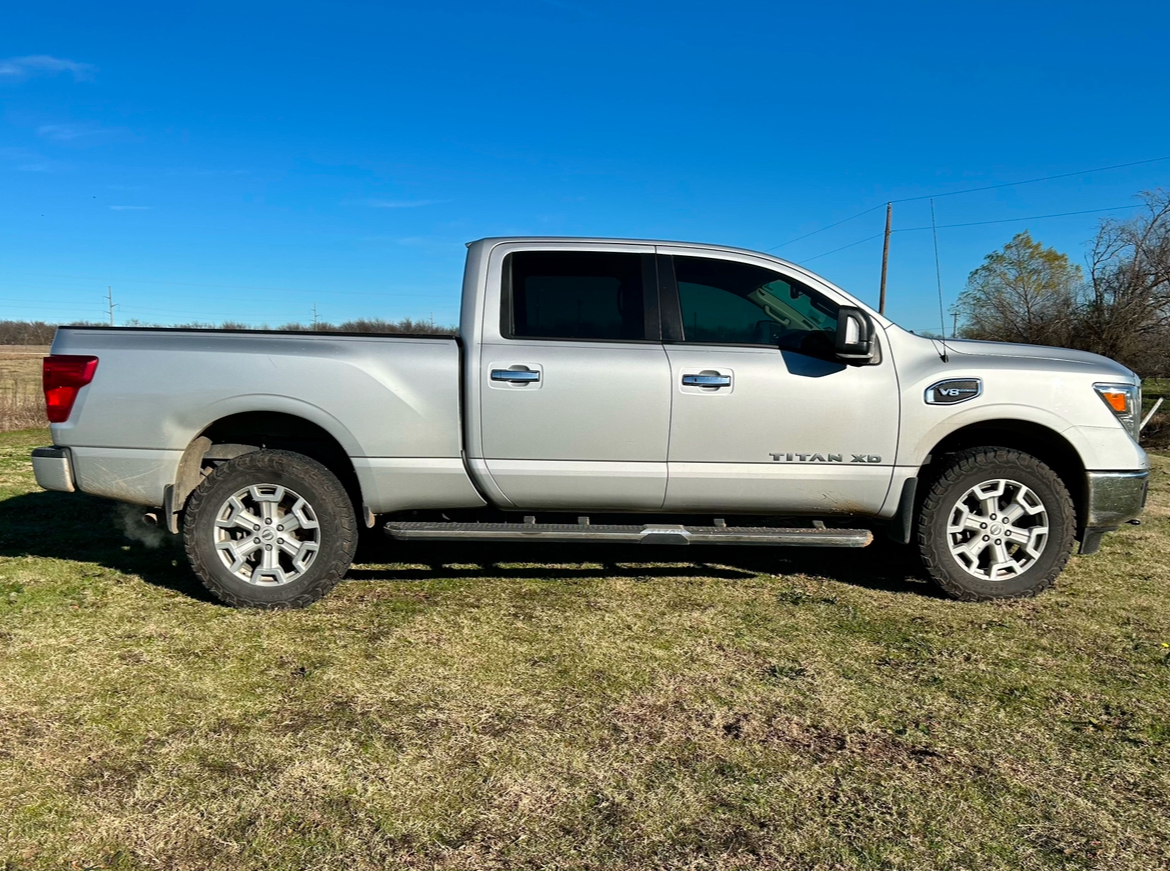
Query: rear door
(574, 382)
(764, 418)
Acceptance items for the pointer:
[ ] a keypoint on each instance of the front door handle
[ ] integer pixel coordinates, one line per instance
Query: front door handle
(515, 376)
(706, 380)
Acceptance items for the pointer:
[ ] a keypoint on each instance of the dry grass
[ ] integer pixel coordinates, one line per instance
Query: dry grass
(466, 708)
(22, 404)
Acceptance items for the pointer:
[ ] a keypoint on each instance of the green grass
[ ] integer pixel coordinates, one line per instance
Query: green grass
(608, 708)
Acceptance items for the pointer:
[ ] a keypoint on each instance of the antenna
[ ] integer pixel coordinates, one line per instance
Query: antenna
(938, 277)
(110, 301)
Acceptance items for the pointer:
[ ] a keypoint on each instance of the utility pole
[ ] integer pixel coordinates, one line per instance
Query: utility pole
(110, 300)
(955, 327)
(314, 316)
(885, 258)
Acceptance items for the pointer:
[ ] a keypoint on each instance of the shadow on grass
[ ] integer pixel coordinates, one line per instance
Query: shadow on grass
(87, 529)
(74, 526)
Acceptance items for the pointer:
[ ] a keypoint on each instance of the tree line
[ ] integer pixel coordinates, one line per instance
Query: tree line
(41, 333)
(1118, 305)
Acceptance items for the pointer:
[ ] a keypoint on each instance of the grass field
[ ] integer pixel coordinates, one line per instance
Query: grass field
(601, 708)
(22, 404)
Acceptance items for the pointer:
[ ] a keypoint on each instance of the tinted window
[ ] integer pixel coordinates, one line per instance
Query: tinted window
(724, 302)
(576, 295)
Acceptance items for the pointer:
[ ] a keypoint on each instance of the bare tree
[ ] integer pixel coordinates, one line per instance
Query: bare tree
(1126, 311)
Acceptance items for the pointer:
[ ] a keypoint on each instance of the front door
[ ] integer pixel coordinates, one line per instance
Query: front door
(764, 419)
(575, 392)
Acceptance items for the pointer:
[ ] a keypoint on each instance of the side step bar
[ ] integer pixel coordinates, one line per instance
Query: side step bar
(647, 534)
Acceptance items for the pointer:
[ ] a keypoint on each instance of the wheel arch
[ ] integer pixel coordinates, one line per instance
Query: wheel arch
(243, 432)
(1042, 442)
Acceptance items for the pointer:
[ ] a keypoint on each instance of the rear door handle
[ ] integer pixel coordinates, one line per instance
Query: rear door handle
(706, 380)
(516, 376)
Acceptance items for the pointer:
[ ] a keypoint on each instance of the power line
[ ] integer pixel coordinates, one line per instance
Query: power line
(842, 248)
(1009, 184)
(968, 224)
(829, 227)
(1010, 220)
(971, 191)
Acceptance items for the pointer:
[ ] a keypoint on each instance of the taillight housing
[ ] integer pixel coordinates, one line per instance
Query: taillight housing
(64, 376)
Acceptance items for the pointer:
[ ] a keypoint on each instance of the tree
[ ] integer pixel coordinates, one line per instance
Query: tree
(1022, 293)
(1126, 312)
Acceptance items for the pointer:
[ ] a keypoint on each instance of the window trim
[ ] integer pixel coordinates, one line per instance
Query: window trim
(671, 305)
(651, 320)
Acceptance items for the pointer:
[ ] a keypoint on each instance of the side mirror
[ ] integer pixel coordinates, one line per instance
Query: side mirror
(854, 341)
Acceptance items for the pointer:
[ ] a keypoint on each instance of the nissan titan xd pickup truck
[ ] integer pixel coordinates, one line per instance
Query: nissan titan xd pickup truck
(602, 390)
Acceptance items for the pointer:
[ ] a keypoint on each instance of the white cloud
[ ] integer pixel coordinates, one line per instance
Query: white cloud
(404, 204)
(65, 132)
(23, 67)
(84, 135)
(129, 208)
(28, 160)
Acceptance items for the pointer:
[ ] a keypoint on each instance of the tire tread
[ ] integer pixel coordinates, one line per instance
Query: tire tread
(263, 462)
(939, 491)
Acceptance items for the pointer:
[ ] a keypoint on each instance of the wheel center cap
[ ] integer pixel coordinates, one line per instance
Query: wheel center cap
(268, 535)
(996, 529)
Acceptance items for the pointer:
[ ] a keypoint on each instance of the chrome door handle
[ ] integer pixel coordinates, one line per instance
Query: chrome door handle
(706, 380)
(516, 376)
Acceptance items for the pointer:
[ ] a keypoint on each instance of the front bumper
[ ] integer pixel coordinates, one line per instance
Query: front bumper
(53, 469)
(1114, 497)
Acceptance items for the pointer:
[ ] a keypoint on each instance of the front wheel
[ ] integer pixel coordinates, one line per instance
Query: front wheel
(995, 524)
(270, 529)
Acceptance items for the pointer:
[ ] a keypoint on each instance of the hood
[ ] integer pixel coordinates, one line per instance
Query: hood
(973, 348)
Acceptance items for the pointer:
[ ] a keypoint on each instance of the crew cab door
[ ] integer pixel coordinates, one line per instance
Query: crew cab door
(573, 381)
(764, 418)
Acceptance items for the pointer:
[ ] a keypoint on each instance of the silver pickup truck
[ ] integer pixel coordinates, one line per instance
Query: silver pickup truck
(602, 390)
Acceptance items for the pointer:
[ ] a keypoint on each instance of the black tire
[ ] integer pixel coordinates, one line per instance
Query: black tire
(956, 478)
(328, 503)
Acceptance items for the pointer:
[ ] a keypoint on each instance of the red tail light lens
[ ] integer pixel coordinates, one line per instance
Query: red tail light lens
(64, 376)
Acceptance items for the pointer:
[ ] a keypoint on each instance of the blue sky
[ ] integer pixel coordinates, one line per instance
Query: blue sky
(248, 160)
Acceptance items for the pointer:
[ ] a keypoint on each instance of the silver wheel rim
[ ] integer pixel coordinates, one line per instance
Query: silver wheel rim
(267, 535)
(997, 530)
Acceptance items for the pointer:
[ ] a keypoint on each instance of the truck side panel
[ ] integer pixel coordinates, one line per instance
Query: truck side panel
(391, 403)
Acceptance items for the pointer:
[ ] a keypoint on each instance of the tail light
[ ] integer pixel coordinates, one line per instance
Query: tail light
(64, 376)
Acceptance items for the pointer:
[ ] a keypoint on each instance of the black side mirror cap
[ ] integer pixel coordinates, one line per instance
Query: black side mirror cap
(854, 340)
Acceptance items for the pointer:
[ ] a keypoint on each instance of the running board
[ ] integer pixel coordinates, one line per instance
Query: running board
(647, 534)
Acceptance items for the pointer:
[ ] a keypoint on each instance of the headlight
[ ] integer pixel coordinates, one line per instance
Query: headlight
(1125, 401)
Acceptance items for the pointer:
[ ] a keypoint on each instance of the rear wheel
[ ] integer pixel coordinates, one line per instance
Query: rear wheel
(995, 524)
(270, 529)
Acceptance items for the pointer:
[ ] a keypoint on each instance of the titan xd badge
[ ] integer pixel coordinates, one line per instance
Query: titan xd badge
(825, 458)
(953, 390)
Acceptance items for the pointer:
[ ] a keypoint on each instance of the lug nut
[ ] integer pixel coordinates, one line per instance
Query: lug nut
(280, 529)
(981, 526)
(257, 528)
(269, 547)
(985, 538)
(256, 540)
(997, 541)
(269, 520)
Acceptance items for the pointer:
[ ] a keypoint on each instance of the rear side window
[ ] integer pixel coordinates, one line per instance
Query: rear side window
(574, 295)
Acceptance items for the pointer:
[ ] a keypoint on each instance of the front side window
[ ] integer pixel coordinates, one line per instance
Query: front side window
(575, 295)
(730, 303)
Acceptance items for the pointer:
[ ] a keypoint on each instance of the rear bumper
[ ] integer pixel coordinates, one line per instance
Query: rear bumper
(53, 469)
(1114, 497)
